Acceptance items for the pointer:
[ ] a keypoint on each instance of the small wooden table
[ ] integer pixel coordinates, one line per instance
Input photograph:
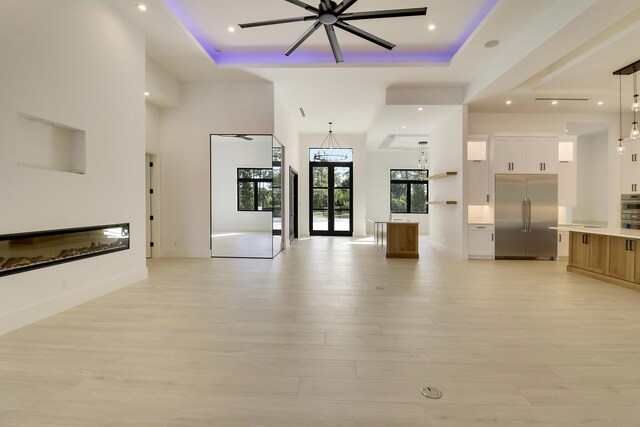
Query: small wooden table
(398, 239)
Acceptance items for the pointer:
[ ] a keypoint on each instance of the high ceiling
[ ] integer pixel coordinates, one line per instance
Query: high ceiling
(547, 49)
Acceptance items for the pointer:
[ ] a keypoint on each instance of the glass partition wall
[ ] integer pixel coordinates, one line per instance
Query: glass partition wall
(246, 196)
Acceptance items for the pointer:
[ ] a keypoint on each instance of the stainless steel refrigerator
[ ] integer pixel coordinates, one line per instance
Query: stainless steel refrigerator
(525, 207)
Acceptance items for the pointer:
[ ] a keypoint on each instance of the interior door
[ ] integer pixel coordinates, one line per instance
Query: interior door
(293, 204)
(331, 199)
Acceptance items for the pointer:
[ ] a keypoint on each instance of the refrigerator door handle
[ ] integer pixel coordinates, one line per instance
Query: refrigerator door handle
(529, 215)
(524, 215)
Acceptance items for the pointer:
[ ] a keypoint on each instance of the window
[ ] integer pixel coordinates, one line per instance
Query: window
(255, 189)
(409, 191)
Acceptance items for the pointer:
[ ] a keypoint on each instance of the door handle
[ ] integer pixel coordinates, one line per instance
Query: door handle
(559, 238)
(544, 166)
(524, 215)
(487, 198)
(529, 215)
(492, 237)
(540, 166)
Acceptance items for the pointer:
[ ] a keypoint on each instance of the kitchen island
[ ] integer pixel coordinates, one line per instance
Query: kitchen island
(397, 239)
(608, 254)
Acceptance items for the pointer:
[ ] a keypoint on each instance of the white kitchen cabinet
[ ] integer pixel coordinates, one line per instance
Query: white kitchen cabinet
(509, 154)
(481, 238)
(563, 244)
(631, 154)
(567, 184)
(542, 155)
(630, 179)
(477, 178)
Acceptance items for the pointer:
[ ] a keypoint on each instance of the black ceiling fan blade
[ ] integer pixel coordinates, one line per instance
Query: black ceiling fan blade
(365, 35)
(377, 14)
(333, 41)
(346, 4)
(327, 4)
(303, 5)
(303, 37)
(278, 21)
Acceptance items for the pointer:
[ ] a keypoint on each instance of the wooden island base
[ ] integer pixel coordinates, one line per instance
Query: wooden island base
(606, 254)
(397, 239)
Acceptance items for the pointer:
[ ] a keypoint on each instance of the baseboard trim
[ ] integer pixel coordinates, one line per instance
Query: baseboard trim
(36, 312)
(185, 253)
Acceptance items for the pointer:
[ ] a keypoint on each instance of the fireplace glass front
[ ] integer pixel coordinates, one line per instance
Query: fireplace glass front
(26, 251)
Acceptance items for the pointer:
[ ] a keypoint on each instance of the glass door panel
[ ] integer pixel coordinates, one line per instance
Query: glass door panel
(331, 199)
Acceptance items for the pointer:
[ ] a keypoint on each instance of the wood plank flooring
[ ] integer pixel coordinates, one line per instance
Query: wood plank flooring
(330, 333)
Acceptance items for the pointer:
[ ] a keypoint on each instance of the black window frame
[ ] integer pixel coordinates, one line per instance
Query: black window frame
(408, 183)
(256, 185)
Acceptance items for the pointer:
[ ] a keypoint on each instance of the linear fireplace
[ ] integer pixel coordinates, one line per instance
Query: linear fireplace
(27, 251)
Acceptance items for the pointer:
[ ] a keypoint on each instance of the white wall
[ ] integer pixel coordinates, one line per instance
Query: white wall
(593, 179)
(152, 128)
(206, 108)
(163, 89)
(379, 165)
(358, 143)
(446, 154)
(80, 64)
(286, 132)
(227, 155)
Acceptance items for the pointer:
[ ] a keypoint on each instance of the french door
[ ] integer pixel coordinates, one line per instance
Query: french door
(331, 198)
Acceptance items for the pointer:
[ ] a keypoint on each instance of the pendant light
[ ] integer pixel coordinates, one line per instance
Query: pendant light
(332, 151)
(634, 126)
(423, 155)
(620, 140)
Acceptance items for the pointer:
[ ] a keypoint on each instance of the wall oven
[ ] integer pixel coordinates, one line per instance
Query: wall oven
(630, 211)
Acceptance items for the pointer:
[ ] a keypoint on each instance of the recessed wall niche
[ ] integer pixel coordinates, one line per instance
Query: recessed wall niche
(43, 144)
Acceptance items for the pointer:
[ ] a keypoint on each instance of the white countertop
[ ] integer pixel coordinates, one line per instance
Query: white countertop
(617, 232)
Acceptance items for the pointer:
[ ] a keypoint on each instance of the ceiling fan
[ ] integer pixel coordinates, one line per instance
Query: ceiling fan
(330, 14)
(241, 136)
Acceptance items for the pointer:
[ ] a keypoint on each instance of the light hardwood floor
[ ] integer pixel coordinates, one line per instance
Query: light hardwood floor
(330, 333)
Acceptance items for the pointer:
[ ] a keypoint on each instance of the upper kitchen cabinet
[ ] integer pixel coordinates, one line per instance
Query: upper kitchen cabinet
(477, 148)
(509, 154)
(567, 171)
(630, 155)
(630, 168)
(542, 155)
(525, 154)
(477, 170)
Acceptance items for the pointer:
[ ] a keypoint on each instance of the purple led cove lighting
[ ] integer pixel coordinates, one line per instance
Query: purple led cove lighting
(301, 57)
(473, 26)
(182, 15)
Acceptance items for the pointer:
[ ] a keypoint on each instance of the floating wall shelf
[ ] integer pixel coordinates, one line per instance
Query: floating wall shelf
(442, 175)
(443, 202)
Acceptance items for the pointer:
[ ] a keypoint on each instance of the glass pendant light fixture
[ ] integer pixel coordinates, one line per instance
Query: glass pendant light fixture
(423, 155)
(332, 151)
(620, 140)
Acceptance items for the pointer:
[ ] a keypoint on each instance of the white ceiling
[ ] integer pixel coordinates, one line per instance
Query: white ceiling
(548, 48)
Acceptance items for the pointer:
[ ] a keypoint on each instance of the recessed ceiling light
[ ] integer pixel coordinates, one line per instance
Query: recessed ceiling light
(508, 102)
(420, 108)
(600, 103)
(492, 43)
(231, 29)
(404, 127)
(431, 27)
(146, 93)
(141, 7)
(554, 102)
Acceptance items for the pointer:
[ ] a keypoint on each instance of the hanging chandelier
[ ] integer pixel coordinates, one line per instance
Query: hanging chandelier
(630, 69)
(423, 155)
(332, 151)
